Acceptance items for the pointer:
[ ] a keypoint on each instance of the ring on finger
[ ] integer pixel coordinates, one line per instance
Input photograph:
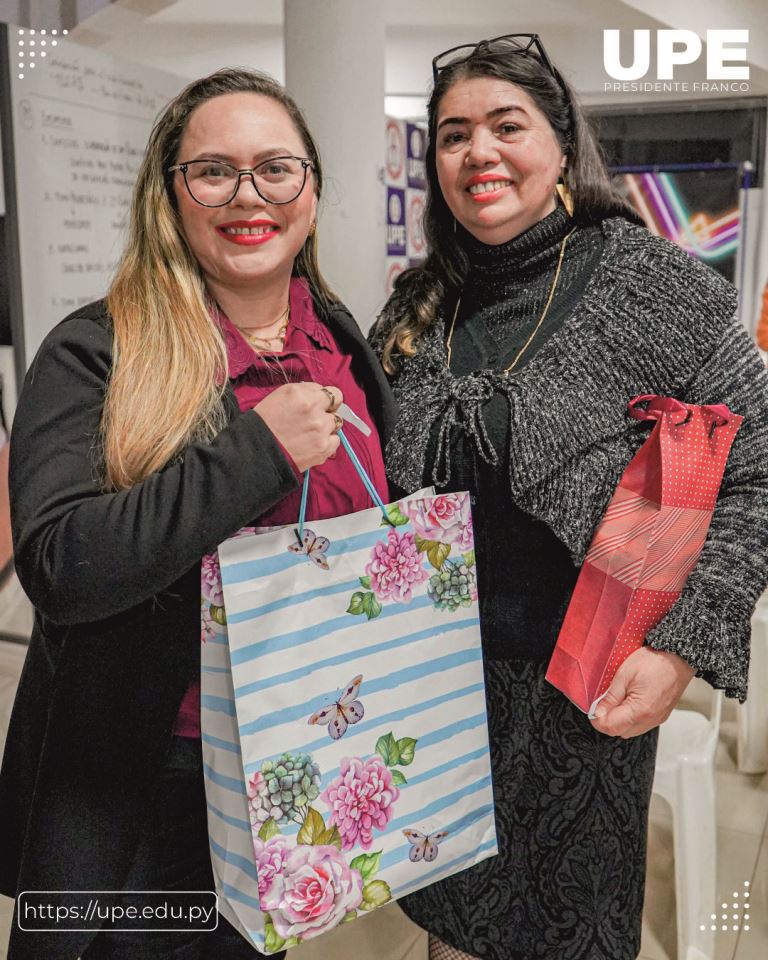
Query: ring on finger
(331, 398)
(338, 423)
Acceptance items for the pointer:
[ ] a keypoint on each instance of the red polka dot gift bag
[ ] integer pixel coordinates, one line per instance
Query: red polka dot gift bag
(646, 545)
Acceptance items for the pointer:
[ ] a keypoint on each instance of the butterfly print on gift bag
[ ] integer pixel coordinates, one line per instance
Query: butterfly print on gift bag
(424, 846)
(343, 712)
(314, 547)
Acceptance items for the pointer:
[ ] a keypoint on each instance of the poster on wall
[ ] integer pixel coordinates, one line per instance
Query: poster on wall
(395, 161)
(396, 240)
(696, 209)
(414, 229)
(406, 182)
(395, 266)
(416, 143)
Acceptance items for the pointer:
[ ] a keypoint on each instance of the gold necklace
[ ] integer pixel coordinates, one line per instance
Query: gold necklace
(527, 343)
(265, 343)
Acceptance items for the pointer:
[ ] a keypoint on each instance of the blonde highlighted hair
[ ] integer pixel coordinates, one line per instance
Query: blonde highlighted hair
(169, 365)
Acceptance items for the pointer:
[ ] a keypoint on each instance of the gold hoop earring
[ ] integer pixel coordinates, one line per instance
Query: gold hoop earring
(566, 197)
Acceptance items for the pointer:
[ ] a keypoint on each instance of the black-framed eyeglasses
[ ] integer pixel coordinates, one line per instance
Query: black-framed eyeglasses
(509, 43)
(214, 183)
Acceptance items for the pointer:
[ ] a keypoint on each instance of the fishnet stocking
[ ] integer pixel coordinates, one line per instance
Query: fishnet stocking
(442, 951)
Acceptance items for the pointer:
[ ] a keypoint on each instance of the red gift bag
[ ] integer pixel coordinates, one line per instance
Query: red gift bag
(646, 544)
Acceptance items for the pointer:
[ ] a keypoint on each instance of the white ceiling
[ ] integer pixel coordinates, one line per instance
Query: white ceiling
(194, 37)
(408, 13)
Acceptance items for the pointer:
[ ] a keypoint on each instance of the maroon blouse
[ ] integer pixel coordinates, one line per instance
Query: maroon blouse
(310, 353)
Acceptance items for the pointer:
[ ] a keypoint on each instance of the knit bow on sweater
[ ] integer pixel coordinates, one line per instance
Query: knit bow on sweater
(651, 320)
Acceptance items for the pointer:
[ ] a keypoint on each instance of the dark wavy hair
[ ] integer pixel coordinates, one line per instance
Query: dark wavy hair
(418, 292)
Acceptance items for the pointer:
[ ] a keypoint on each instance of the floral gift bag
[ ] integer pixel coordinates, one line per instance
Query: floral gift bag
(345, 738)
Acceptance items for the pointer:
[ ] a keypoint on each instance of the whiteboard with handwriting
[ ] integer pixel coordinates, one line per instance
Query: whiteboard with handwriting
(81, 120)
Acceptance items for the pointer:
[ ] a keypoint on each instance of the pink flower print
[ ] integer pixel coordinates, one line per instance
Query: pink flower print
(210, 580)
(270, 860)
(312, 893)
(206, 623)
(395, 567)
(361, 799)
(446, 518)
(259, 804)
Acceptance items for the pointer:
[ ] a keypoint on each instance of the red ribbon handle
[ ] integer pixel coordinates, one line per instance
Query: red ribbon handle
(657, 406)
(719, 411)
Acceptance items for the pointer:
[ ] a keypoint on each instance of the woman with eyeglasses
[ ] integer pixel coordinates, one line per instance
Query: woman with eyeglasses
(152, 426)
(541, 310)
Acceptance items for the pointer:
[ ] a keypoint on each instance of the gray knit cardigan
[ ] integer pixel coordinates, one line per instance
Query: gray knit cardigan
(652, 320)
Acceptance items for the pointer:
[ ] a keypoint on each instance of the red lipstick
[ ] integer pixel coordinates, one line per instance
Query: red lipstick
(485, 178)
(265, 230)
(488, 195)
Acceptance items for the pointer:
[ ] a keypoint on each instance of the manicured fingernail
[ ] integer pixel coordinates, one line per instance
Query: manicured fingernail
(601, 712)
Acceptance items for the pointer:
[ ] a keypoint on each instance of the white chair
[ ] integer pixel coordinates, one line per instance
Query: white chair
(685, 778)
(752, 716)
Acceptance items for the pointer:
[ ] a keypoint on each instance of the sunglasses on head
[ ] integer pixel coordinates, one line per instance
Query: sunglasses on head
(510, 43)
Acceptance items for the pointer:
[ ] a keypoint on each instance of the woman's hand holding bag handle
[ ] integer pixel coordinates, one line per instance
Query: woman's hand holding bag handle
(302, 419)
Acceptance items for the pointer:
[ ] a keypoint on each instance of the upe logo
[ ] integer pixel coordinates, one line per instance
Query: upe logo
(675, 48)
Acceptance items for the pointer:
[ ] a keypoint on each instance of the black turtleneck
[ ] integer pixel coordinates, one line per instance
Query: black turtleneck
(507, 288)
(525, 574)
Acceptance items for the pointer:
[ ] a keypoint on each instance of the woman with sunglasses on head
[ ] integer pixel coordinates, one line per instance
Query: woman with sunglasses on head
(540, 311)
(152, 426)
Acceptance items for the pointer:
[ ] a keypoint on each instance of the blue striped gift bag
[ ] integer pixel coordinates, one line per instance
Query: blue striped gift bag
(345, 737)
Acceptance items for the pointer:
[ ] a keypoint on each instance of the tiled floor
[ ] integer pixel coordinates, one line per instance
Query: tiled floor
(742, 839)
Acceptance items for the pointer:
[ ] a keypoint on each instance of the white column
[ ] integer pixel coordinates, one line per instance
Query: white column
(334, 68)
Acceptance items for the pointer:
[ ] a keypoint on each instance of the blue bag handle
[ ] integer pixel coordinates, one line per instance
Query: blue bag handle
(361, 471)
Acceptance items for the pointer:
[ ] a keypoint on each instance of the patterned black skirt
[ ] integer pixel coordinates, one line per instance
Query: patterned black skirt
(572, 821)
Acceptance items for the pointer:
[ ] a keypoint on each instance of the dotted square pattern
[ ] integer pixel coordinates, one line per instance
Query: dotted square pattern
(649, 538)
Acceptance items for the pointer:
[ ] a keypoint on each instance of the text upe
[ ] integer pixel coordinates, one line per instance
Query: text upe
(676, 48)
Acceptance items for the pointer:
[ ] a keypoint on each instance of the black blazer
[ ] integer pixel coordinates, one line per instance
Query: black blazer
(115, 581)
